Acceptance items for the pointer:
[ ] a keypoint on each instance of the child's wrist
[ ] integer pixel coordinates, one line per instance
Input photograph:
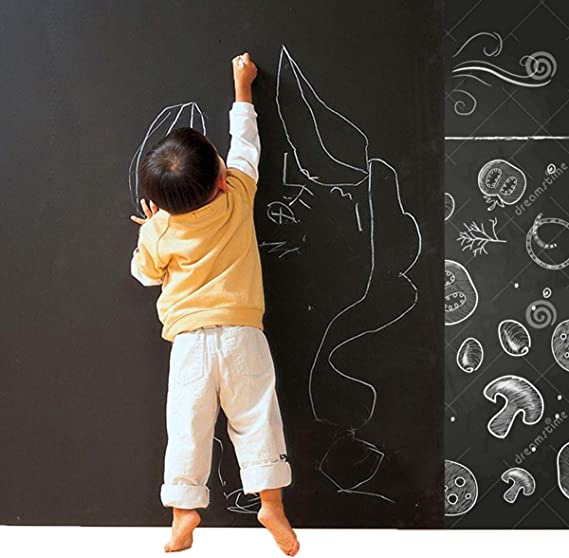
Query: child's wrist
(243, 93)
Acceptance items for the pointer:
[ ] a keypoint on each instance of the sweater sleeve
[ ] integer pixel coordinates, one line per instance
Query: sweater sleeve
(245, 147)
(145, 265)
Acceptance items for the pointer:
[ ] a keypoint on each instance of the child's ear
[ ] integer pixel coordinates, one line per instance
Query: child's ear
(222, 182)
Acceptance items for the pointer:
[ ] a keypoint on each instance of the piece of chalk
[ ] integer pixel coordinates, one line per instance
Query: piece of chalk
(240, 62)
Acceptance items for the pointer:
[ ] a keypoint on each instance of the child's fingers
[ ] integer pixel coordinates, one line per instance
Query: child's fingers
(145, 208)
(153, 206)
(137, 219)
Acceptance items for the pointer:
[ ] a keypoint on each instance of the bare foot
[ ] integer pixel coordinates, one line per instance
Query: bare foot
(183, 525)
(274, 519)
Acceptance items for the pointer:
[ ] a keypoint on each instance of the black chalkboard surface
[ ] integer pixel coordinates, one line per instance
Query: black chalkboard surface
(349, 218)
(507, 252)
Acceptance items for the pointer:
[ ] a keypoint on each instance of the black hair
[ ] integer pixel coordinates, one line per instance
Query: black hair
(180, 172)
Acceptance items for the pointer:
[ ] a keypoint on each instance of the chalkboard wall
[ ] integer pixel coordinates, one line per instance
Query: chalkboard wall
(352, 253)
(507, 252)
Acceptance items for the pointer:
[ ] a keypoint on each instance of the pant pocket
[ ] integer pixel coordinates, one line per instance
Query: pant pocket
(248, 349)
(187, 358)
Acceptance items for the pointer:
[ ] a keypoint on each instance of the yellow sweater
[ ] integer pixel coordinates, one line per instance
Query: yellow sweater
(207, 262)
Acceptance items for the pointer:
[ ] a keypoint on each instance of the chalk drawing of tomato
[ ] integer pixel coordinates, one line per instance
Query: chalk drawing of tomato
(461, 296)
(501, 183)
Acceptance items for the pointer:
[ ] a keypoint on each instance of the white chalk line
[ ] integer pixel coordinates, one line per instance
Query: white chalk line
(156, 123)
(402, 274)
(297, 72)
(505, 138)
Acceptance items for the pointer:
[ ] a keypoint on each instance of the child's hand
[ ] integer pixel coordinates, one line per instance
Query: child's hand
(148, 212)
(244, 73)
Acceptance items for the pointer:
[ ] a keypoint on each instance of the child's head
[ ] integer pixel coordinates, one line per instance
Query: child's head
(182, 172)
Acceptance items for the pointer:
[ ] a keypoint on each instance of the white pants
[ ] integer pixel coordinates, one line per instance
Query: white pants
(231, 366)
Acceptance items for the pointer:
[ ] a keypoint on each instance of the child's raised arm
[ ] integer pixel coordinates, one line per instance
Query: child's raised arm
(245, 147)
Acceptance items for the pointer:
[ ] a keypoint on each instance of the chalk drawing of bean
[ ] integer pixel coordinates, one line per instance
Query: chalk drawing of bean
(461, 489)
(560, 344)
(520, 480)
(520, 397)
(461, 296)
(501, 183)
(514, 338)
(541, 314)
(470, 355)
(449, 206)
(563, 470)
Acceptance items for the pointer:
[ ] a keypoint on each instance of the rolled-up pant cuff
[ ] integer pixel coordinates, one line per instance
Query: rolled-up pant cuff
(184, 496)
(266, 475)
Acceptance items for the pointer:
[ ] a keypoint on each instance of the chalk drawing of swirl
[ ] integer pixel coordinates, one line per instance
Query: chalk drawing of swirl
(337, 158)
(538, 70)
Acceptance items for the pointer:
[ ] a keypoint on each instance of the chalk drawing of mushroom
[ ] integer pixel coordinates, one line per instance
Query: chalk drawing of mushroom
(521, 482)
(514, 338)
(461, 489)
(470, 355)
(563, 470)
(501, 183)
(520, 397)
(461, 296)
(560, 344)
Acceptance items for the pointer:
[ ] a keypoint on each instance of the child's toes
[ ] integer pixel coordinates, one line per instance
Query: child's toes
(294, 549)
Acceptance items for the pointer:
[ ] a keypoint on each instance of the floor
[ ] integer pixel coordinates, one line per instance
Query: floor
(142, 542)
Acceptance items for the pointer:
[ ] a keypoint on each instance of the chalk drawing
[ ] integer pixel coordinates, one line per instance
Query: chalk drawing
(520, 397)
(546, 292)
(563, 470)
(461, 489)
(475, 238)
(540, 67)
(514, 338)
(341, 172)
(187, 114)
(549, 255)
(541, 314)
(501, 183)
(496, 37)
(521, 482)
(449, 206)
(237, 501)
(470, 355)
(282, 248)
(461, 296)
(560, 344)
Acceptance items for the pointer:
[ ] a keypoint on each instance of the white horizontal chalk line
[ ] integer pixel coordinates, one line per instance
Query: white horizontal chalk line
(504, 138)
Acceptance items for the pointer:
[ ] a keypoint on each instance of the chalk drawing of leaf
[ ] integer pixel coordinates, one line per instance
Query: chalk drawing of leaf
(475, 238)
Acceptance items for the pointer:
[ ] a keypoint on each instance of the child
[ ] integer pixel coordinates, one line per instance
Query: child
(199, 243)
